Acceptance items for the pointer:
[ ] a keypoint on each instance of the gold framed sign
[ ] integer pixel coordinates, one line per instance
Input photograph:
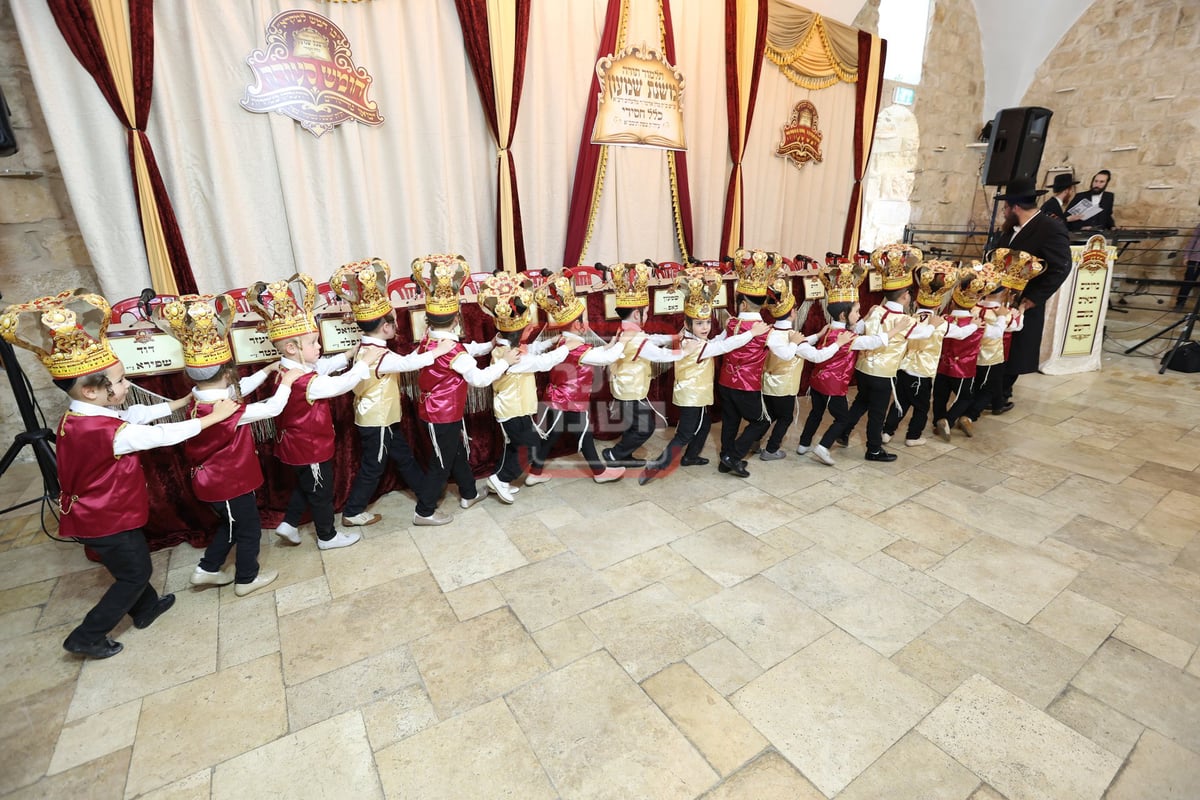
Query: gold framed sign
(813, 288)
(640, 101)
(338, 334)
(1092, 264)
(251, 345)
(668, 301)
(146, 352)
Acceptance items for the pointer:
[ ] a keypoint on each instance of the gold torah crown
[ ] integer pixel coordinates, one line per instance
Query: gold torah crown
(935, 280)
(1016, 267)
(200, 323)
(286, 305)
(700, 287)
(558, 299)
(67, 331)
(631, 284)
(895, 264)
(508, 298)
(974, 283)
(755, 269)
(447, 274)
(780, 298)
(364, 285)
(842, 277)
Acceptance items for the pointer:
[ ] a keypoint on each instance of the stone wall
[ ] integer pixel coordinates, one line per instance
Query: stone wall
(41, 250)
(1118, 57)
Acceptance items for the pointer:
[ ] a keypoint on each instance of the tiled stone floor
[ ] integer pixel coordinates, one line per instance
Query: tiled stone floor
(1014, 615)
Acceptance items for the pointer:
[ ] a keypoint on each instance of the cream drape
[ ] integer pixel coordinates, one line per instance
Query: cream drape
(747, 31)
(811, 50)
(502, 39)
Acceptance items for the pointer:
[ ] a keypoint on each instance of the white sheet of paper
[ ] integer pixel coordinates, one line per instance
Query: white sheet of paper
(1085, 208)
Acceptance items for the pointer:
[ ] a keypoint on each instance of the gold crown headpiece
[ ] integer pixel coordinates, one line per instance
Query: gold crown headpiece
(842, 277)
(631, 284)
(364, 285)
(558, 299)
(974, 283)
(508, 298)
(200, 323)
(447, 274)
(286, 305)
(700, 287)
(935, 279)
(756, 269)
(780, 298)
(1016, 267)
(895, 264)
(67, 332)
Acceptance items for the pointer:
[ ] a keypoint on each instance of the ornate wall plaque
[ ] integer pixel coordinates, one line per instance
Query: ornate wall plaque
(640, 101)
(1093, 265)
(801, 136)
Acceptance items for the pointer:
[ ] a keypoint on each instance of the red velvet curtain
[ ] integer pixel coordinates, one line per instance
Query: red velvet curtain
(589, 154)
(862, 124)
(77, 23)
(733, 105)
(681, 171)
(472, 15)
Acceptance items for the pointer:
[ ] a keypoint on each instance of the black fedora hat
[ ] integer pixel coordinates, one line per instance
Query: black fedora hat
(1063, 181)
(1021, 189)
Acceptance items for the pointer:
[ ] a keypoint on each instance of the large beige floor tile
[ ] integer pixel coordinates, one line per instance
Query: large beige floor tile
(765, 622)
(325, 637)
(1116, 543)
(926, 527)
(103, 777)
(597, 735)
(35, 662)
(566, 641)
(725, 667)
(1012, 579)
(329, 759)
(29, 728)
(1093, 462)
(649, 567)
(616, 534)
(912, 582)
(374, 560)
(398, 716)
(467, 664)
(726, 553)
(468, 550)
(1105, 726)
(350, 687)
(248, 629)
(989, 514)
(207, 721)
(833, 723)
(1077, 621)
(1017, 748)
(649, 629)
(913, 767)
(550, 591)
(842, 532)
(98, 735)
(1158, 768)
(1117, 505)
(1156, 603)
(26, 565)
(768, 777)
(752, 509)
(197, 786)
(31, 595)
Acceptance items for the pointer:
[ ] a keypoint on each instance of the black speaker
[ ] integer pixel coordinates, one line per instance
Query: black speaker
(1015, 146)
(8, 141)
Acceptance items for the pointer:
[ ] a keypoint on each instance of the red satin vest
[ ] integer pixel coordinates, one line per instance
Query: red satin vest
(224, 463)
(832, 378)
(1007, 343)
(304, 430)
(102, 493)
(571, 382)
(443, 391)
(959, 356)
(743, 368)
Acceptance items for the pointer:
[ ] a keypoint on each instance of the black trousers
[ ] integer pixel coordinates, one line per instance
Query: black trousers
(738, 405)
(837, 409)
(521, 441)
(915, 393)
(874, 395)
(379, 444)
(639, 421)
(987, 390)
(943, 387)
(449, 461)
(241, 526)
(576, 425)
(782, 411)
(314, 490)
(691, 433)
(127, 558)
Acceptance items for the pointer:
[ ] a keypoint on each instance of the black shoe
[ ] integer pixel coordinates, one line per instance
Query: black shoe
(882, 455)
(731, 467)
(160, 608)
(105, 648)
(607, 455)
(1004, 409)
(844, 441)
(698, 461)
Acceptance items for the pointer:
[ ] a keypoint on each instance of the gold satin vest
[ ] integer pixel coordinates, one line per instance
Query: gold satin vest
(629, 378)
(694, 381)
(922, 356)
(513, 394)
(884, 361)
(376, 398)
(991, 351)
(781, 378)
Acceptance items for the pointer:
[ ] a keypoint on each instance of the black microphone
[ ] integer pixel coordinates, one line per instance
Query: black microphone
(650, 264)
(144, 300)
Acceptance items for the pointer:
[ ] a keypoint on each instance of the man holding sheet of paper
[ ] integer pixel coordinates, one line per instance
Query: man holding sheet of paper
(1093, 209)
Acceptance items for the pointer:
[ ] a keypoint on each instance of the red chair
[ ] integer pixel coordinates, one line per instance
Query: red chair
(587, 277)
(403, 292)
(668, 269)
(130, 310)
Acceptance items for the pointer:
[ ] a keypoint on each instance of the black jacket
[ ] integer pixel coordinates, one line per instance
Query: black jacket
(1102, 220)
(1045, 237)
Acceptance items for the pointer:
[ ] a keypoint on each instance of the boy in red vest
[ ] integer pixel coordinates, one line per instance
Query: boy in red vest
(104, 501)
(304, 429)
(443, 386)
(960, 356)
(1016, 269)
(569, 395)
(224, 463)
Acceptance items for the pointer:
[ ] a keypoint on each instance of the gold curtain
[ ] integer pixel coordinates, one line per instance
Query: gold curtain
(747, 33)
(502, 37)
(811, 51)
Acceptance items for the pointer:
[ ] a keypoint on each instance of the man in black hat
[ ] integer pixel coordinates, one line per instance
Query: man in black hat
(1061, 192)
(1026, 228)
(1096, 197)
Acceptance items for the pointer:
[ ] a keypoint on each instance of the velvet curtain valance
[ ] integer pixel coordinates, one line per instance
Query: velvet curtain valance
(812, 51)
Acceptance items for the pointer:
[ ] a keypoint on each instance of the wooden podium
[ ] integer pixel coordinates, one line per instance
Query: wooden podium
(1074, 333)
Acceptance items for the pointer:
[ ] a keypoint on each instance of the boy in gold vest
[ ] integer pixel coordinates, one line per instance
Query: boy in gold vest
(1016, 269)
(508, 299)
(377, 408)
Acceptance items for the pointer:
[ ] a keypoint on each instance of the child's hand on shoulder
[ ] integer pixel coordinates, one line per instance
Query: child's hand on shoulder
(291, 376)
(843, 337)
(512, 356)
(759, 328)
(443, 346)
(223, 409)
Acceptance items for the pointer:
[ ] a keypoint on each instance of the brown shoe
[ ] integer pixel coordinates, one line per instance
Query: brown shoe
(966, 426)
(942, 428)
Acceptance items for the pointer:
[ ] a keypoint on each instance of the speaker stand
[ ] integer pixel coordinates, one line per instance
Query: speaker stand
(990, 242)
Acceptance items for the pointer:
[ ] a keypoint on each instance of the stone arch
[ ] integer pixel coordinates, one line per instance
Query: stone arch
(889, 178)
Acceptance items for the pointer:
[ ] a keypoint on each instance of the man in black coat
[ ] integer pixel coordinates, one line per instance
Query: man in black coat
(1096, 196)
(1060, 197)
(1026, 228)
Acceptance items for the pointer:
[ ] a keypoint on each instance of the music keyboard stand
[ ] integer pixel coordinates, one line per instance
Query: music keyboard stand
(1188, 323)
